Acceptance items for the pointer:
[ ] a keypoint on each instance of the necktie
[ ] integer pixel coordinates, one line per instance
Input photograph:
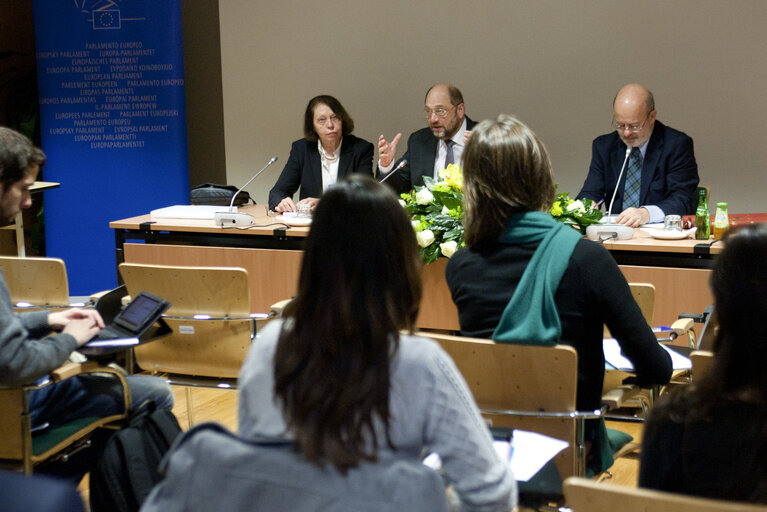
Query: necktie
(633, 180)
(449, 158)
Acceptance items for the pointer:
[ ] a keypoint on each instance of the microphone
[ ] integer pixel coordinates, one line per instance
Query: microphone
(232, 218)
(402, 164)
(623, 167)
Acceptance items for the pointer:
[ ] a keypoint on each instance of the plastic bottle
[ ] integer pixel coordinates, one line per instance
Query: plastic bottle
(721, 220)
(702, 220)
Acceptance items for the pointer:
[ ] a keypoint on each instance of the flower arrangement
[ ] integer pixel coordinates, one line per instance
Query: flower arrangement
(578, 214)
(436, 212)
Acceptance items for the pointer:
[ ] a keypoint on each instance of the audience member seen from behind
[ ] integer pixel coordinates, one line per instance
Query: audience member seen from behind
(337, 376)
(525, 278)
(29, 351)
(710, 439)
(326, 154)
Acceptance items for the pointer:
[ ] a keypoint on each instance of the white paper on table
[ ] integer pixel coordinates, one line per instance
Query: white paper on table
(531, 451)
(617, 360)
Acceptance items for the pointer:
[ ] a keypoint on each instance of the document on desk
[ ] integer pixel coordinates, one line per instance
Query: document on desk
(526, 453)
(615, 358)
(531, 451)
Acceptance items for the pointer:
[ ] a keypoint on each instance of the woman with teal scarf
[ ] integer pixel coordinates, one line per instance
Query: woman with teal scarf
(525, 278)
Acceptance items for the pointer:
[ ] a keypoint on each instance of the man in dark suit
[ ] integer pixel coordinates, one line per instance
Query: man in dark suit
(660, 175)
(428, 149)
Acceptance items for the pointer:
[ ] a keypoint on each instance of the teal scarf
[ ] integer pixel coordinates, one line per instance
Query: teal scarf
(531, 316)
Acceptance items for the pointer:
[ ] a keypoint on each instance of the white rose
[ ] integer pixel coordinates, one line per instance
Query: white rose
(424, 196)
(425, 237)
(576, 205)
(415, 224)
(448, 248)
(445, 211)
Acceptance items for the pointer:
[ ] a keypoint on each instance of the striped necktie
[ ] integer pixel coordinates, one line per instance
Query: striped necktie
(633, 180)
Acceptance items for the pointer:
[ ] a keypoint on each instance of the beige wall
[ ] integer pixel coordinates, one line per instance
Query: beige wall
(556, 64)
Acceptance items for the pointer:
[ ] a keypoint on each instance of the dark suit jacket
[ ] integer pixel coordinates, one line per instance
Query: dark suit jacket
(420, 155)
(669, 172)
(304, 168)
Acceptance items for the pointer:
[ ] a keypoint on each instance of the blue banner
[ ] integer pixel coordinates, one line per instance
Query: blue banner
(111, 85)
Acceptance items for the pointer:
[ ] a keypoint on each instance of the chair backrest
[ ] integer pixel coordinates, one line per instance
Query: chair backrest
(209, 348)
(644, 296)
(583, 495)
(520, 378)
(38, 281)
(701, 362)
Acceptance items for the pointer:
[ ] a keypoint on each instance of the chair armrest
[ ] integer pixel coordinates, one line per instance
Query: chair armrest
(617, 397)
(278, 307)
(68, 370)
(588, 415)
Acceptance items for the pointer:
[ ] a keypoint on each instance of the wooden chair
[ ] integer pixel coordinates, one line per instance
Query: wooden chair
(525, 387)
(211, 322)
(19, 448)
(701, 362)
(644, 296)
(583, 495)
(36, 282)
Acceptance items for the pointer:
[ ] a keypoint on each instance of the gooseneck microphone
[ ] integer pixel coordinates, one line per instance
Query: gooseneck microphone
(610, 230)
(232, 218)
(623, 167)
(402, 164)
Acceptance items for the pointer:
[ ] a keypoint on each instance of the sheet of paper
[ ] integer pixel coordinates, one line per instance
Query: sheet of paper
(531, 451)
(527, 453)
(616, 359)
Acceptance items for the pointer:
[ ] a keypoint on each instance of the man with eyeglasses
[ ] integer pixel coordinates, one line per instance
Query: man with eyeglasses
(660, 174)
(428, 149)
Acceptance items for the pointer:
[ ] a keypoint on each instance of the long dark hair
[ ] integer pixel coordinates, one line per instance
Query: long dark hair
(506, 168)
(360, 285)
(739, 285)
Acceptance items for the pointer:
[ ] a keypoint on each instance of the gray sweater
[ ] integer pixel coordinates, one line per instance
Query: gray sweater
(431, 409)
(23, 357)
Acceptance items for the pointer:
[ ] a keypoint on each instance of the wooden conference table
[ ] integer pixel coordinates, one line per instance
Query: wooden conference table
(271, 253)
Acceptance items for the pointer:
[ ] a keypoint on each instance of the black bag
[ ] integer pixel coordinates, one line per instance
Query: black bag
(128, 467)
(217, 195)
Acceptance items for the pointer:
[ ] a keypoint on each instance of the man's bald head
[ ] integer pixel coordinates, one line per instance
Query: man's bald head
(635, 94)
(634, 114)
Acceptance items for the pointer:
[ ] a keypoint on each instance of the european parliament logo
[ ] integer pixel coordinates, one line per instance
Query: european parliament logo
(104, 14)
(106, 19)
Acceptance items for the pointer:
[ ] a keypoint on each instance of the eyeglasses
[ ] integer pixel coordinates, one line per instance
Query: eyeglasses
(323, 120)
(633, 128)
(439, 112)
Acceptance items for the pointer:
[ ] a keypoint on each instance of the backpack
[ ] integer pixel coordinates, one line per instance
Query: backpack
(128, 467)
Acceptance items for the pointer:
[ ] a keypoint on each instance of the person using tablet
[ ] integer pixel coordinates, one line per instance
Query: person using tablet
(28, 352)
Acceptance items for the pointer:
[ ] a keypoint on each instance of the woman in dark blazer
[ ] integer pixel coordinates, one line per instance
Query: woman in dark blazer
(327, 153)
